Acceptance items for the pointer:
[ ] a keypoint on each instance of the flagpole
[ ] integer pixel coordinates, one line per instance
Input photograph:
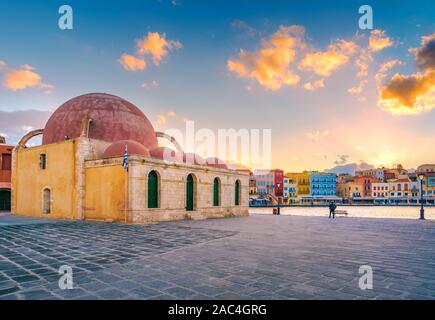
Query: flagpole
(126, 196)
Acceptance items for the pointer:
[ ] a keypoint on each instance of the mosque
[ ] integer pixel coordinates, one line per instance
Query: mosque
(77, 172)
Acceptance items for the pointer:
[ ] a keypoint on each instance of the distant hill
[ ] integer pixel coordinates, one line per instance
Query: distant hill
(350, 168)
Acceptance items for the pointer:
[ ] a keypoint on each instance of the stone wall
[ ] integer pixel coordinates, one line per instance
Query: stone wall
(172, 190)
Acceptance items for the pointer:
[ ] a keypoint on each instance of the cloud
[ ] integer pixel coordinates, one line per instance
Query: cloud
(379, 40)
(161, 119)
(2, 64)
(153, 84)
(242, 25)
(131, 63)
(172, 114)
(317, 135)
(19, 79)
(342, 159)
(270, 65)
(384, 68)
(414, 93)
(311, 86)
(157, 46)
(323, 63)
(425, 55)
(359, 88)
(17, 123)
(409, 94)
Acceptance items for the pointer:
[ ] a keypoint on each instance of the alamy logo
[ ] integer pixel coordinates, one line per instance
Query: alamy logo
(366, 20)
(366, 280)
(66, 20)
(66, 279)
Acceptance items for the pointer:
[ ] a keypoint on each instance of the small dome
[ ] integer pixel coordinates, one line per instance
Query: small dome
(116, 149)
(193, 158)
(163, 153)
(216, 162)
(113, 119)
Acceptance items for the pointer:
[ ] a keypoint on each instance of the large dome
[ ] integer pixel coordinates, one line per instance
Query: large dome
(113, 119)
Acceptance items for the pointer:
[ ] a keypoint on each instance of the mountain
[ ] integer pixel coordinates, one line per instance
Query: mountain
(350, 168)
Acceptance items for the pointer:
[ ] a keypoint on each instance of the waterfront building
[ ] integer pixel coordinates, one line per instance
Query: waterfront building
(426, 168)
(374, 173)
(265, 181)
(252, 184)
(323, 184)
(302, 181)
(100, 160)
(290, 194)
(5, 174)
(278, 182)
(349, 190)
(365, 183)
(380, 190)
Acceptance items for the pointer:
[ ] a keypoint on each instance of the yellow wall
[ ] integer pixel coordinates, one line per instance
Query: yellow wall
(29, 180)
(105, 193)
(302, 179)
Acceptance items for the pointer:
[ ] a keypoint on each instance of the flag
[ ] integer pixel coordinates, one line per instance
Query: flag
(125, 161)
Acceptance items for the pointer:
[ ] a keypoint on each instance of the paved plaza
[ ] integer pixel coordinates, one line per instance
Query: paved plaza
(257, 257)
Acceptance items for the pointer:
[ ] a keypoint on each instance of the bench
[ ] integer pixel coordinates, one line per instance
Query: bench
(343, 212)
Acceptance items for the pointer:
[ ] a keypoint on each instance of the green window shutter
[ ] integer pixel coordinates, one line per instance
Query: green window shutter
(237, 193)
(153, 190)
(189, 193)
(216, 192)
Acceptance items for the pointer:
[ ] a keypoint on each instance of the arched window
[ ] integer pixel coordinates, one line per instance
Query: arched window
(216, 192)
(190, 192)
(237, 193)
(153, 190)
(46, 199)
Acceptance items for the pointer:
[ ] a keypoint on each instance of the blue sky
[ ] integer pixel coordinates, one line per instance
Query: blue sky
(309, 128)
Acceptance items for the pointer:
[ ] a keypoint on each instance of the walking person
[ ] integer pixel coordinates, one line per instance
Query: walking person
(332, 208)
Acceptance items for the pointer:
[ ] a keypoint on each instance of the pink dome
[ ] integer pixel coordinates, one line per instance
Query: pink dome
(193, 158)
(216, 162)
(162, 152)
(116, 149)
(113, 119)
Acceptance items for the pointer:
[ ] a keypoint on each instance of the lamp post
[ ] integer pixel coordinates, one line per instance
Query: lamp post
(278, 211)
(421, 177)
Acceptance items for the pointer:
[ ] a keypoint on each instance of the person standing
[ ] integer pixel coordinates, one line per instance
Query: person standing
(332, 208)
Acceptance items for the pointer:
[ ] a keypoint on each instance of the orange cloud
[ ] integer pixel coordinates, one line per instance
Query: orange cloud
(379, 41)
(415, 93)
(311, 86)
(323, 63)
(359, 88)
(161, 119)
(24, 78)
(384, 68)
(131, 63)
(270, 65)
(157, 46)
(409, 94)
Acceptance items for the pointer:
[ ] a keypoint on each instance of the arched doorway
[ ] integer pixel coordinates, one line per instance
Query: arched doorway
(5, 200)
(216, 192)
(237, 193)
(190, 193)
(46, 201)
(153, 190)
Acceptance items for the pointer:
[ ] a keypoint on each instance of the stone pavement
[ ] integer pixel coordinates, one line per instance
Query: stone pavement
(257, 257)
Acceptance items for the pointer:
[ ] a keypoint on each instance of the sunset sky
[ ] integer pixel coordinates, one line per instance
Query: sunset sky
(331, 93)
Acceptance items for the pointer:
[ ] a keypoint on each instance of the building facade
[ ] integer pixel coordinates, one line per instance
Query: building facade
(265, 182)
(278, 182)
(323, 184)
(79, 171)
(290, 191)
(302, 181)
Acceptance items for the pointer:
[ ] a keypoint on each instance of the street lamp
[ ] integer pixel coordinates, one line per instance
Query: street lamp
(278, 212)
(421, 177)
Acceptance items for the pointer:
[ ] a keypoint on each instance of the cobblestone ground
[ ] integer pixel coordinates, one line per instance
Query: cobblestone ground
(258, 257)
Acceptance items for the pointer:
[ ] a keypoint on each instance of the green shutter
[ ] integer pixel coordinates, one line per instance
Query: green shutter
(189, 193)
(237, 193)
(153, 190)
(216, 192)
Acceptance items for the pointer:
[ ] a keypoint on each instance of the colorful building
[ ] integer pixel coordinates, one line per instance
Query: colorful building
(5, 175)
(290, 191)
(79, 171)
(302, 181)
(265, 181)
(374, 173)
(323, 184)
(365, 183)
(278, 182)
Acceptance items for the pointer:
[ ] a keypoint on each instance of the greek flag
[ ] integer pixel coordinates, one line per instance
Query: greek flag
(125, 161)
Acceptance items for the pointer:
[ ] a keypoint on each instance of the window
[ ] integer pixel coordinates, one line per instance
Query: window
(237, 193)
(153, 190)
(43, 161)
(6, 161)
(46, 201)
(216, 192)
